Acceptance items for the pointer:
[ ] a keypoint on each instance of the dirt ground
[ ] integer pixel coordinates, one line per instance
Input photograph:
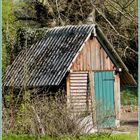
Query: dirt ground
(129, 119)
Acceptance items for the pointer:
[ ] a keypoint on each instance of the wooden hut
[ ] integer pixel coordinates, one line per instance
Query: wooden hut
(83, 57)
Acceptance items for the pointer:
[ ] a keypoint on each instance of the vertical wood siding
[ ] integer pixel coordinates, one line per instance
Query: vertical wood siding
(92, 57)
(79, 95)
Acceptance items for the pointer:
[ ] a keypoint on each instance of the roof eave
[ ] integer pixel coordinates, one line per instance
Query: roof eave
(115, 57)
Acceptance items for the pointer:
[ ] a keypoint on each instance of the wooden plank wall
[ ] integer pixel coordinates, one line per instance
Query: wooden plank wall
(92, 57)
(79, 99)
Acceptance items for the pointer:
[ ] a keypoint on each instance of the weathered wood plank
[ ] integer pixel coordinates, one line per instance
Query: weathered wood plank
(78, 91)
(79, 75)
(78, 84)
(78, 78)
(102, 59)
(78, 95)
(78, 88)
(92, 95)
(78, 101)
(78, 98)
(97, 56)
(117, 96)
(68, 91)
(78, 81)
(79, 104)
(93, 57)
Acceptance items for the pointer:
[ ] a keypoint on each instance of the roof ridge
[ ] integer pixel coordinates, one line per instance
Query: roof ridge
(66, 26)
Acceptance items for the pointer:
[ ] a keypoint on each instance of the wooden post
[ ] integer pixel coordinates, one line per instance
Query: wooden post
(93, 103)
(68, 90)
(117, 99)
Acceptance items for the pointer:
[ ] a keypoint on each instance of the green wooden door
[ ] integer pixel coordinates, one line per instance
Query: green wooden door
(104, 96)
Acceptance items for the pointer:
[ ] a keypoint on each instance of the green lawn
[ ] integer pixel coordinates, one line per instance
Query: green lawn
(90, 137)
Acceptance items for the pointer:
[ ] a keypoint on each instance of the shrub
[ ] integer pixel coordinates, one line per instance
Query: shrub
(41, 115)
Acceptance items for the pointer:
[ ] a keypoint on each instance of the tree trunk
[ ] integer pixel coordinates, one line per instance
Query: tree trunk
(91, 18)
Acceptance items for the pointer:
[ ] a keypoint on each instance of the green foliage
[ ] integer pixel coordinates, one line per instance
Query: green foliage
(9, 29)
(28, 36)
(44, 13)
(38, 115)
(129, 97)
(7, 20)
(88, 137)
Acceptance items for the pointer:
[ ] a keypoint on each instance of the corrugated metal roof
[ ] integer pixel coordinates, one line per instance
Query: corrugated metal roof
(47, 61)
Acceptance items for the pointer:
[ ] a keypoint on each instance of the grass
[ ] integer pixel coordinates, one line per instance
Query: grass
(88, 137)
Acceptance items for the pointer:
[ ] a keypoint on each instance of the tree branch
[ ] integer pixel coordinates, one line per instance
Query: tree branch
(117, 33)
(60, 19)
(119, 11)
(38, 120)
(129, 49)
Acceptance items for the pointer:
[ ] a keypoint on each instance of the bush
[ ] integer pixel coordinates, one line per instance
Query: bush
(129, 97)
(41, 115)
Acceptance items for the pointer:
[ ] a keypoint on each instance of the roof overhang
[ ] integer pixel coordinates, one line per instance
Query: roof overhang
(126, 78)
